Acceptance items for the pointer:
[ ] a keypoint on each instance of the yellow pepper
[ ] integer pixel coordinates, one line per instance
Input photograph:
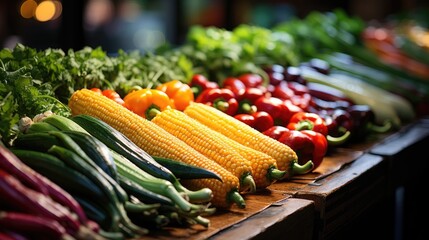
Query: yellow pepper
(147, 102)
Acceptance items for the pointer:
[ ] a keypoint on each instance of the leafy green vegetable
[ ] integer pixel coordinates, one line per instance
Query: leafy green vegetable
(32, 82)
(218, 53)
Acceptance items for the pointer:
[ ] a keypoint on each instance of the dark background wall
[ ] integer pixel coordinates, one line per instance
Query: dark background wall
(144, 24)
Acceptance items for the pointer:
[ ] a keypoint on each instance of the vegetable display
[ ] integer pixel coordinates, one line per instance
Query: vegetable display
(112, 146)
(158, 142)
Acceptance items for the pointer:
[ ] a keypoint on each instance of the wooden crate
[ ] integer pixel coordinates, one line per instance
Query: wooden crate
(344, 196)
(272, 207)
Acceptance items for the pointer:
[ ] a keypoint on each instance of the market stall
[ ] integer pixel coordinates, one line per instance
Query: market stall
(304, 130)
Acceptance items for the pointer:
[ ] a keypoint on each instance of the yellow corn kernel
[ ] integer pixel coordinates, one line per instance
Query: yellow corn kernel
(243, 133)
(157, 142)
(233, 156)
(207, 142)
(264, 167)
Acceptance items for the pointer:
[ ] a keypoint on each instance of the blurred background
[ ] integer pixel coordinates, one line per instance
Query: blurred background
(144, 25)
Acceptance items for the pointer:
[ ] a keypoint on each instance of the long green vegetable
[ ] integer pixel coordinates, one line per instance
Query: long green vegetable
(119, 143)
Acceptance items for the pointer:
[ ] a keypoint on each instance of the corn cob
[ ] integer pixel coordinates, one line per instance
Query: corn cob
(233, 156)
(158, 142)
(285, 157)
(207, 142)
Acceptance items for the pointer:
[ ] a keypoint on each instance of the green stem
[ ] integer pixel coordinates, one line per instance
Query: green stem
(202, 221)
(336, 141)
(246, 107)
(302, 169)
(171, 192)
(152, 112)
(276, 174)
(247, 183)
(196, 90)
(140, 207)
(387, 126)
(208, 211)
(221, 105)
(236, 198)
(304, 125)
(201, 195)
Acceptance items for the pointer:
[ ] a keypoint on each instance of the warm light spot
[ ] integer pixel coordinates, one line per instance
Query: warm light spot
(45, 11)
(58, 9)
(28, 8)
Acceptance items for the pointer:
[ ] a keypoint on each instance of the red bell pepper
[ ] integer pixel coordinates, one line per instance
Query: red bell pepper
(302, 101)
(251, 79)
(275, 131)
(275, 107)
(247, 98)
(260, 121)
(292, 107)
(263, 121)
(282, 91)
(254, 80)
(308, 121)
(200, 83)
(220, 98)
(320, 146)
(281, 111)
(234, 84)
(302, 144)
(246, 118)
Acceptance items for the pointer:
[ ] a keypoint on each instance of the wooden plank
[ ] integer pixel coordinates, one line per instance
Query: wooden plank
(223, 219)
(402, 140)
(405, 148)
(290, 219)
(344, 195)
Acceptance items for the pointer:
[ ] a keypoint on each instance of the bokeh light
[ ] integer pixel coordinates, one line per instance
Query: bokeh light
(28, 8)
(42, 11)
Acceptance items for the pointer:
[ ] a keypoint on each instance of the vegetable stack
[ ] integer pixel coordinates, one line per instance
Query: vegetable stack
(158, 142)
(31, 203)
(137, 192)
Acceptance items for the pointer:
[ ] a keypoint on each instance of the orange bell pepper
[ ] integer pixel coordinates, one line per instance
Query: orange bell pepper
(147, 102)
(180, 93)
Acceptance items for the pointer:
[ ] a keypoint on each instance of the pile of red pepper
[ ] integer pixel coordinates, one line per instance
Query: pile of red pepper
(308, 117)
